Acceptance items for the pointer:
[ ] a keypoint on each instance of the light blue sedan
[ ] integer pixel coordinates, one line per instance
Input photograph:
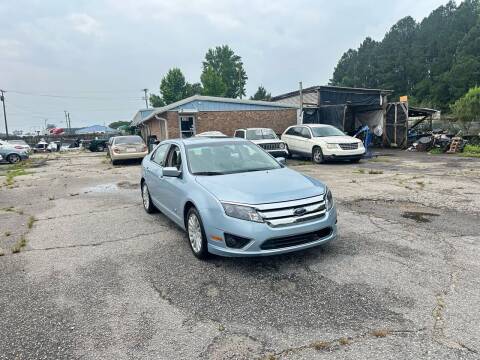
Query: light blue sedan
(234, 199)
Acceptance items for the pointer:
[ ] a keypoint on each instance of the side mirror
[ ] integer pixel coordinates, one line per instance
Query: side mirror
(282, 161)
(156, 142)
(172, 172)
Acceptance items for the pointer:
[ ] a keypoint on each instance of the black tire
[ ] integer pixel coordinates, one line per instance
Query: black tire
(147, 199)
(14, 158)
(114, 162)
(202, 253)
(317, 155)
(289, 156)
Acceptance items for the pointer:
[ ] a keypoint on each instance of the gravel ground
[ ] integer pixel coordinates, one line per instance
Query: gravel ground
(99, 278)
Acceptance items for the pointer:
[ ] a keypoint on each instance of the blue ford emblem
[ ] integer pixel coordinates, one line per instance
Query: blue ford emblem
(299, 211)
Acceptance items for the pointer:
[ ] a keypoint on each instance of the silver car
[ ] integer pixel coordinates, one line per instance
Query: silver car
(234, 199)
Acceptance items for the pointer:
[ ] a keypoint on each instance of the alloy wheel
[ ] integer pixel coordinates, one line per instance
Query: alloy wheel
(14, 158)
(195, 233)
(145, 197)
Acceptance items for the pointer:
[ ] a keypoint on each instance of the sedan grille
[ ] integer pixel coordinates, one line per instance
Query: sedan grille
(295, 240)
(352, 146)
(292, 212)
(273, 146)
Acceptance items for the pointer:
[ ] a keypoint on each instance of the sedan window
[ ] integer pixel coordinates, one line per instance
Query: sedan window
(228, 158)
(174, 158)
(159, 154)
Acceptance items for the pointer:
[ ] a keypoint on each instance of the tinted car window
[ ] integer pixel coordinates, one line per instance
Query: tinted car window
(131, 140)
(326, 131)
(240, 134)
(292, 131)
(159, 154)
(304, 132)
(174, 158)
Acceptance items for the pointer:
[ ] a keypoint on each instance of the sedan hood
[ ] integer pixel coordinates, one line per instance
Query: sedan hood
(261, 187)
(339, 139)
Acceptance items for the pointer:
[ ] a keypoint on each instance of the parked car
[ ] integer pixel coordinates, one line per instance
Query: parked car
(233, 199)
(12, 155)
(212, 134)
(41, 147)
(98, 145)
(322, 143)
(126, 147)
(20, 145)
(265, 138)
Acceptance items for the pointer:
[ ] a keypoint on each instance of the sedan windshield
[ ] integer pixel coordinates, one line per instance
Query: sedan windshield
(18, 142)
(326, 131)
(128, 140)
(228, 158)
(260, 134)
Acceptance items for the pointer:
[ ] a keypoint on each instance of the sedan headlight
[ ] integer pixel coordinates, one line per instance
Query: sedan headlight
(332, 146)
(328, 199)
(281, 146)
(242, 212)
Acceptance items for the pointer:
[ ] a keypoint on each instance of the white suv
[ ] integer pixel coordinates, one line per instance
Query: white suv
(322, 143)
(266, 139)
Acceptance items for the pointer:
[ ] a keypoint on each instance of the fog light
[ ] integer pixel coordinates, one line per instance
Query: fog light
(235, 242)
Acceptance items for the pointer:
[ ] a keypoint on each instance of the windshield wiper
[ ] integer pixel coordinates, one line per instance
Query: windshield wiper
(208, 173)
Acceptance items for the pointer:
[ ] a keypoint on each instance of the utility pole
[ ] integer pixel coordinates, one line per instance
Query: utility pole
(146, 97)
(69, 123)
(67, 120)
(2, 97)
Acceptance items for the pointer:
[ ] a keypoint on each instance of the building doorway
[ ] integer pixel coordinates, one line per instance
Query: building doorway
(187, 126)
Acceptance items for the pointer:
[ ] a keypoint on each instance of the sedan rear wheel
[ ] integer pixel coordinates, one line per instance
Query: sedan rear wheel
(196, 234)
(14, 158)
(317, 155)
(147, 200)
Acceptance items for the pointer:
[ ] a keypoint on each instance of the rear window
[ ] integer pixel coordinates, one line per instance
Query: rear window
(128, 140)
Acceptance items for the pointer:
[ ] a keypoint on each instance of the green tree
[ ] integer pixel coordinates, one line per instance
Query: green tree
(261, 94)
(192, 89)
(212, 82)
(467, 108)
(224, 62)
(172, 86)
(117, 124)
(156, 100)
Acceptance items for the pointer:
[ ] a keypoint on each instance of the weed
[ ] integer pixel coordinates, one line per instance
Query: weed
(20, 212)
(8, 233)
(13, 172)
(436, 151)
(19, 245)
(15, 249)
(375, 172)
(320, 345)
(9, 209)
(51, 198)
(360, 171)
(380, 333)
(421, 184)
(221, 327)
(270, 357)
(381, 159)
(344, 341)
(31, 221)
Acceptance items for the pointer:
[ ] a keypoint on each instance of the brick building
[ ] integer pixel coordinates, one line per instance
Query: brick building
(197, 114)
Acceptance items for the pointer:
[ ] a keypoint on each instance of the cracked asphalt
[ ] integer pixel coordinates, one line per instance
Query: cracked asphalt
(101, 279)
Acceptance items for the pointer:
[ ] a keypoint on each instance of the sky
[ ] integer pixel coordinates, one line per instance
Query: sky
(94, 57)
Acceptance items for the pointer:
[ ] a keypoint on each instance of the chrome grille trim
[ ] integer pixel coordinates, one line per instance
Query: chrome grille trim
(273, 146)
(287, 204)
(283, 213)
(351, 146)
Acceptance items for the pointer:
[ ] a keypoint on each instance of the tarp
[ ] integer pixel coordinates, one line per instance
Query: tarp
(95, 129)
(348, 97)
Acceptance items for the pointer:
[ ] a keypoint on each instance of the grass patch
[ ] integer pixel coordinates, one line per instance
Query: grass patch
(14, 171)
(344, 341)
(375, 172)
(436, 151)
(31, 221)
(19, 245)
(421, 184)
(320, 345)
(381, 159)
(380, 333)
(360, 171)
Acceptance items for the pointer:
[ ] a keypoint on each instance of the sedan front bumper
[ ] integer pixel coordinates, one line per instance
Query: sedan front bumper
(261, 233)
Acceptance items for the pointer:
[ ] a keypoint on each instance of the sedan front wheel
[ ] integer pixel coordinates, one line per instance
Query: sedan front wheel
(196, 234)
(146, 199)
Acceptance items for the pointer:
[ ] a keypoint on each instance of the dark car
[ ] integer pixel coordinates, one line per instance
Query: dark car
(98, 145)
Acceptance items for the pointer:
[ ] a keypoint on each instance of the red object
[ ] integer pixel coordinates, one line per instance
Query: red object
(57, 131)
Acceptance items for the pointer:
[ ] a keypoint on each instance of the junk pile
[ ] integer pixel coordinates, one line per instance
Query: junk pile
(439, 142)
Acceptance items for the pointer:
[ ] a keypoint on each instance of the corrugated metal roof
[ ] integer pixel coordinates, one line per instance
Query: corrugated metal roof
(210, 103)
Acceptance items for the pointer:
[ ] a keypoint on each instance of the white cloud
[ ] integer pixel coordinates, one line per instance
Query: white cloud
(86, 24)
(10, 49)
